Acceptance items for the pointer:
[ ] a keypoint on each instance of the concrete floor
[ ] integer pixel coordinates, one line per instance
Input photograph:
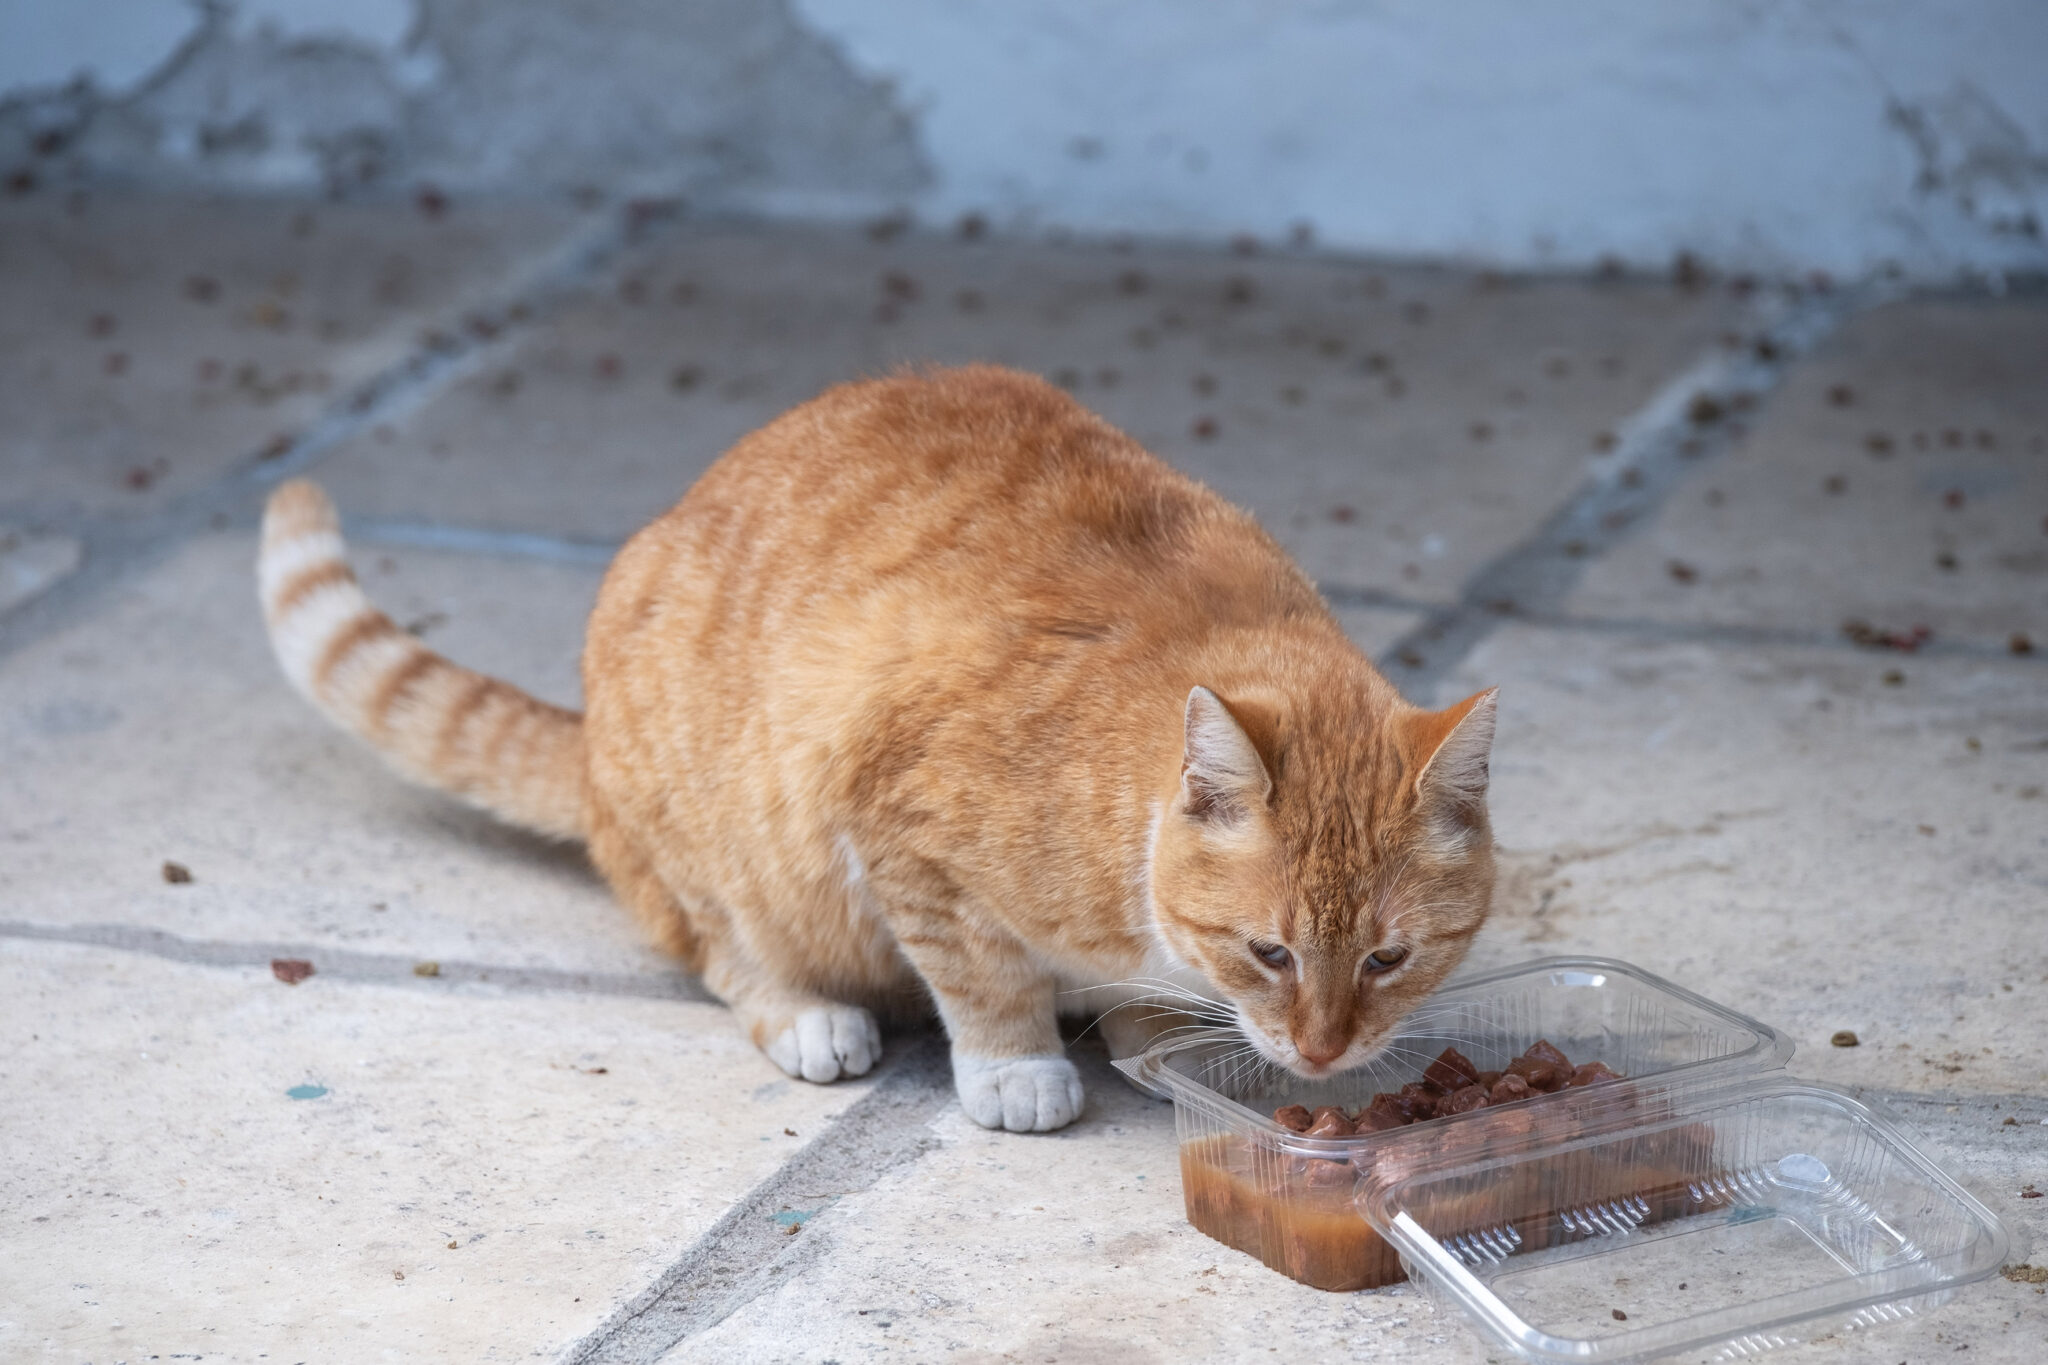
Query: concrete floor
(555, 1147)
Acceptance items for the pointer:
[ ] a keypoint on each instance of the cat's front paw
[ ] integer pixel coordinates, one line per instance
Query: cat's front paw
(826, 1042)
(1018, 1094)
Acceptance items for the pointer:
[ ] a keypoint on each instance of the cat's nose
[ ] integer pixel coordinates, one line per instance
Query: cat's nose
(1321, 1051)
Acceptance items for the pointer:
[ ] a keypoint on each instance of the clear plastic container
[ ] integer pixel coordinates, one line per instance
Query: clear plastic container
(1705, 1203)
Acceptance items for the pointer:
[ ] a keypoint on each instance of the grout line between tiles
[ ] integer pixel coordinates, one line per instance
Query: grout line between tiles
(116, 548)
(344, 964)
(749, 1251)
(1688, 421)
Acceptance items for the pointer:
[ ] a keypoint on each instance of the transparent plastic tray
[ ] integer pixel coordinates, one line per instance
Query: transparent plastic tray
(1703, 1204)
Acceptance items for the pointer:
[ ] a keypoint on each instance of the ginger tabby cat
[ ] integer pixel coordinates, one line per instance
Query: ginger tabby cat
(940, 687)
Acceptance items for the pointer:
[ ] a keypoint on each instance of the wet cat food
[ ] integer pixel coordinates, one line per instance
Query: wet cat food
(1296, 1212)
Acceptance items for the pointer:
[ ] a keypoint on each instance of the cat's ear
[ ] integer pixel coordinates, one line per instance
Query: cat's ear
(1222, 776)
(1449, 750)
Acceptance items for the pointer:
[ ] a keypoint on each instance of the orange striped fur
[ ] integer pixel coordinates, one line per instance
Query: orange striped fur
(940, 688)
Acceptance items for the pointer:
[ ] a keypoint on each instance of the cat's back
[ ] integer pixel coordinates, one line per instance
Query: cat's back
(965, 497)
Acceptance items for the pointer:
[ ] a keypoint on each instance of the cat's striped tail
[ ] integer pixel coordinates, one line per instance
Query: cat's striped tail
(437, 723)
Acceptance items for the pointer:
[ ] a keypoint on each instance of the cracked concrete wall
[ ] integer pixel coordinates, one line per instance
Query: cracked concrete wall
(1838, 135)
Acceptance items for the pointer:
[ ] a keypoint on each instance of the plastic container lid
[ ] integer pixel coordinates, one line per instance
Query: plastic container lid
(1750, 1218)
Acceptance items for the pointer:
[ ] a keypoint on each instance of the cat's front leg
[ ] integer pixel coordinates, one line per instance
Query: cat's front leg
(1009, 1066)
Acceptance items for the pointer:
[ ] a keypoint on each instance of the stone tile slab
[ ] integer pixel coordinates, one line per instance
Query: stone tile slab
(149, 342)
(159, 728)
(1394, 427)
(470, 1176)
(1900, 478)
(1785, 832)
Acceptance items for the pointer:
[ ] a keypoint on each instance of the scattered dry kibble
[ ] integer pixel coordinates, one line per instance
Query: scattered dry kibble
(177, 874)
(1344, 514)
(2029, 1192)
(1681, 572)
(1704, 410)
(453, 1245)
(1844, 1038)
(2020, 643)
(2026, 1274)
(1619, 1316)
(1892, 677)
(1205, 428)
(426, 969)
(290, 970)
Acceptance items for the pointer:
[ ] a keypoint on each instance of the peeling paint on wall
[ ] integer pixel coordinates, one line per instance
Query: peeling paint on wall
(729, 101)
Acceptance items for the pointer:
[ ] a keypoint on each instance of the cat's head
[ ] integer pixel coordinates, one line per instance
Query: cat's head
(1325, 866)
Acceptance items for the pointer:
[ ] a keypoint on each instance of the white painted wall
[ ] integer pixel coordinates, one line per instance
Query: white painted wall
(1755, 134)
(1772, 135)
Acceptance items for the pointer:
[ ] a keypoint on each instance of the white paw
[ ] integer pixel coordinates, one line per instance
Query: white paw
(827, 1042)
(1018, 1094)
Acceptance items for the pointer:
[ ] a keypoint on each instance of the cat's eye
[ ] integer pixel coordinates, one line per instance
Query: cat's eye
(1272, 954)
(1385, 958)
